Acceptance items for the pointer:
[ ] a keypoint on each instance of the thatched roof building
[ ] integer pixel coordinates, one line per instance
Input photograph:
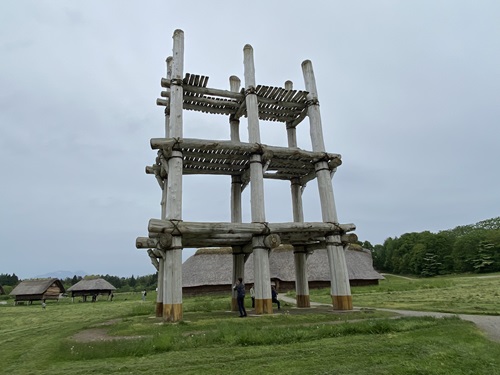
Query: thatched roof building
(1, 290)
(37, 290)
(91, 287)
(210, 270)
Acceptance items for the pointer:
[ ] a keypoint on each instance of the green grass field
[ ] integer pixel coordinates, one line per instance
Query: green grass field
(212, 340)
(469, 294)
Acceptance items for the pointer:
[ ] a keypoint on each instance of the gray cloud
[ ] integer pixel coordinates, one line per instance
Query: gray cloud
(409, 96)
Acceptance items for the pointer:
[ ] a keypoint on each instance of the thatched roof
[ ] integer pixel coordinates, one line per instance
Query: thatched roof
(91, 284)
(214, 266)
(35, 286)
(1, 290)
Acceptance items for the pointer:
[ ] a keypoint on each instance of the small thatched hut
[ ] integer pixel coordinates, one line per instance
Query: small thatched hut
(37, 290)
(91, 287)
(1, 290)
(210, 270)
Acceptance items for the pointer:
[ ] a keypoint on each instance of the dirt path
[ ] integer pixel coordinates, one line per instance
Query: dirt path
(489, 324)
(101, 334)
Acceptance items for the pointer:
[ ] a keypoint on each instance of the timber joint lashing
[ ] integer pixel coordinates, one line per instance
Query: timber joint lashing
(176, 82)
(312, 102)
(266, 230)
(250, 90)
(177, 144)
(175, 231)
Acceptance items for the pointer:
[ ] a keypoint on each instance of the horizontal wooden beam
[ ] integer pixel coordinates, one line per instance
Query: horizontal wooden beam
(178, 228)
(206, 91)
(311, 241)
(145, 242)
(240, 147)
(208, 101)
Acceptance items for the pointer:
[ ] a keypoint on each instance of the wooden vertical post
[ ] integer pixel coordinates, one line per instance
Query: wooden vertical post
(340, 288)
(172, 298)
(234, 84)
(262, 277)
(236, 217)
(159, 295)
(161, 260)
(299, 254)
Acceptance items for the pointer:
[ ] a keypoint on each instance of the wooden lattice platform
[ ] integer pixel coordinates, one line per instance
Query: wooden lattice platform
(275, 103)
(230, 158)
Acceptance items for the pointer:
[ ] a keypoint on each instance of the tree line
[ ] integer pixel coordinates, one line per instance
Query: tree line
(8, 279)
(468, 248)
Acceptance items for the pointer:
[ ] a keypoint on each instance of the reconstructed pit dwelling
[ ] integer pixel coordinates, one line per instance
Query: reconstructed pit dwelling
(247, 164)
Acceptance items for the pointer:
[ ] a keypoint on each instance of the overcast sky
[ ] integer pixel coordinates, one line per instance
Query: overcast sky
(409, 94)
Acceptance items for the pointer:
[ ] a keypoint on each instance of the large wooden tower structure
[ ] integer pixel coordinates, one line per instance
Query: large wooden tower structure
(247, 164)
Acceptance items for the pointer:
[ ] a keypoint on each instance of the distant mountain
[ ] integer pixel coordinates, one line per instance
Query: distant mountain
(61, 274)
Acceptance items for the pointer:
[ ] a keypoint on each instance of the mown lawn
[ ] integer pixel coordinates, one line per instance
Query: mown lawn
(212, 340)
(464, 294)
(470, 294)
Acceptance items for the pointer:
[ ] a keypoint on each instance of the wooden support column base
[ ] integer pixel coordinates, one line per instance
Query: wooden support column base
(159, 309)
(342, 302)
(263, 306)
(172, 312)
(303, 301)
(234, 304)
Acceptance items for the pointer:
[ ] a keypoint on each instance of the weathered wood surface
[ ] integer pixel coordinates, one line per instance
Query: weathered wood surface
(274, 103)
(340, 288)
(218, 228)
(204, 90)
(154, 260)
(272, 241)
(349, 238)
(172, 272)
(205, 102)
(238, 148)
(145, 242)
(233, 158)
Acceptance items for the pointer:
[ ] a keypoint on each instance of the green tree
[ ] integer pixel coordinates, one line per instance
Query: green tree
(132, 282)
(378, 256)
(431, 265)
(8, 279)
(484, 261)
(465, 250)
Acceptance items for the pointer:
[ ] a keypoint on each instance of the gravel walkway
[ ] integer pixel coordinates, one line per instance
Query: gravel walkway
(489, 324)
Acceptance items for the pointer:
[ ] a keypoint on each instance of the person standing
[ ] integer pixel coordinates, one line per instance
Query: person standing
(252, 296)
(274, 295)
(240, 296)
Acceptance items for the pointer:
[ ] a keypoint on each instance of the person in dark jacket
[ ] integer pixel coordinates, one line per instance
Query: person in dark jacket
(274, 295)
(252, 296)
(240, 296)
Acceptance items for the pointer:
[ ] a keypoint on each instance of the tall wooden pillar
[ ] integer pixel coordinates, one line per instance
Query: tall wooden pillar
(238, 256)
(172, 292)
(262, 277)
(299, 254)
(340, 288)
(161, 260)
